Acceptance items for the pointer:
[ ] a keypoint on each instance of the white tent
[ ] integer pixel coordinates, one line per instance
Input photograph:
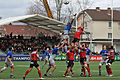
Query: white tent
(36, 20)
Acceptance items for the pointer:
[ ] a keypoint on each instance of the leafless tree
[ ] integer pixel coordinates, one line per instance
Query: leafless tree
(60, 11)
(84, 4)
(37, 7)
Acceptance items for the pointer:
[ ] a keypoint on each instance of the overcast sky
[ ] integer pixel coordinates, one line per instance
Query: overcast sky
(10, 8)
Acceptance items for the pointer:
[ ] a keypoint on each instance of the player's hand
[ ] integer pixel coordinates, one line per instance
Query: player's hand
(75, 14)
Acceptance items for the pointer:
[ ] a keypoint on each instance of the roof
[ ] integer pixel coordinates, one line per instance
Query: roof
(35, 20)
(23, 30)
(102, 15)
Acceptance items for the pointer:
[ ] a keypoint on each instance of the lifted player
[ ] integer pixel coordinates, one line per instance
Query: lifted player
(8, 62)
(34, 56)
(52, 60)
(66, 34)
(46, 56)
(110, 61)
(67, 29)
(77, 35)
(104, 54)
(83, 61)
(70, 61)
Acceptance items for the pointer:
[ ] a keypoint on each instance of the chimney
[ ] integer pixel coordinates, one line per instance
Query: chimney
(98, 8)
(109, 11)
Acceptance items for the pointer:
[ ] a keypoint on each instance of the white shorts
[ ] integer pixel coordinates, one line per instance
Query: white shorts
(7, 64)
(65, 36)
(87, 59)
(51, 60)
(104, 60)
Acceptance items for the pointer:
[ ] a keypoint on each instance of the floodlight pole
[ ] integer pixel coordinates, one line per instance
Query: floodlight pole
(76, 22)
(112, 24)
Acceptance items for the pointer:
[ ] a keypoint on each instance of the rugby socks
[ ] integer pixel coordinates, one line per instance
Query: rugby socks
(88, 65)
(26, 73)
(110, 71)
(50, 74)
(88, 69)
(84, 70)
(99, 70)
(11, 74)
(73, 73)
(67, 74)
(39, 72)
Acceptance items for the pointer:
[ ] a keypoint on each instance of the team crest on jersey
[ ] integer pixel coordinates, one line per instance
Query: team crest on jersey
(112, 51)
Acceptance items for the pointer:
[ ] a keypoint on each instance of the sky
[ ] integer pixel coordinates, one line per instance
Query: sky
(9, 8)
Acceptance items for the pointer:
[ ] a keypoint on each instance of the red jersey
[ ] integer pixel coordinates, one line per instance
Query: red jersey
(111, 51)
(83, 52)
(78, 33)
(70, 54)
(34, 56)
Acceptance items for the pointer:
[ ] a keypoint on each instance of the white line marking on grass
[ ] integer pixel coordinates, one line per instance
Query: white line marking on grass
(22, 65)
(63, 78)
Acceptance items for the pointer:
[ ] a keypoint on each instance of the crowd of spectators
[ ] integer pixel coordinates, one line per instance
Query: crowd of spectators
(25, 46)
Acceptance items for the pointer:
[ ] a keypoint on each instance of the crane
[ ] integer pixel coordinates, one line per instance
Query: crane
(49, 12)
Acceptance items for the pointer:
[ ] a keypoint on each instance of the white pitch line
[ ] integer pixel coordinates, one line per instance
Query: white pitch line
(75, 78)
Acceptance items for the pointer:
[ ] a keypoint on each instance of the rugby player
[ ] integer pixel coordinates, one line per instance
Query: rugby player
(8, 62)
(104, 54)
(34, 56)
(83, 61)
(88, 55)
(70, 61)
(65, 34)
(52, 59)
(110, 61)
(77, 35)
(47, 56)
(67, 29)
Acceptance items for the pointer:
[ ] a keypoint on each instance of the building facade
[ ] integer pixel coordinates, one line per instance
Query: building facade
(99, 25)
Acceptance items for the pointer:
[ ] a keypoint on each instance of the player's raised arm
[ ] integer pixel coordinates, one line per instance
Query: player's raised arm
(63, 44)
(72, 19)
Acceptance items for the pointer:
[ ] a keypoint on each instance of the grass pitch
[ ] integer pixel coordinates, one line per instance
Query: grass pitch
(22, 66)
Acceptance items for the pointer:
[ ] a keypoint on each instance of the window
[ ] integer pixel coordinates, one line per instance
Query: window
(22, 29)
(109, 35)
(110, 24)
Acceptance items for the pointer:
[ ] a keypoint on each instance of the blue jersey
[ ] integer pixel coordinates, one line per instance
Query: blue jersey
(46, 53)
(9, 54)
(68, 27)
(103, 52)
(88, 51)
(54, 51)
